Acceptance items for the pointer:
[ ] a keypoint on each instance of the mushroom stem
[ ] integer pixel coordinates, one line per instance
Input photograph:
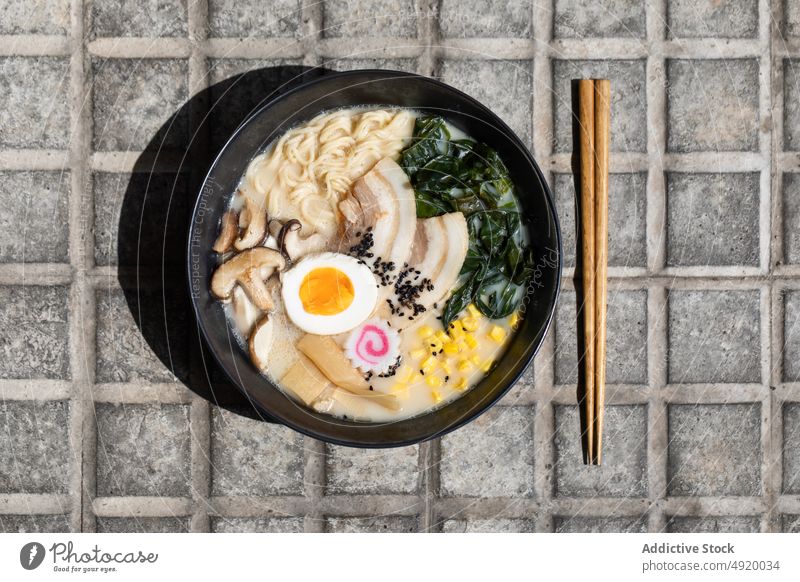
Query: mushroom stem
(228, 232)
(254, 218)
(253, 284)
(292, 225)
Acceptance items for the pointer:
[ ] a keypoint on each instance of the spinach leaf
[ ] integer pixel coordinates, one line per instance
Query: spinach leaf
(469, 205)
(500, 297)
(429, 204)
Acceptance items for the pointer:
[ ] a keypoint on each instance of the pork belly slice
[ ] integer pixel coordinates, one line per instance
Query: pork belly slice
(440, 247)
(382, 200)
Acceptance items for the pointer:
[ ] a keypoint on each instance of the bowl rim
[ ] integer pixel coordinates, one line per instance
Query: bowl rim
(511, 380)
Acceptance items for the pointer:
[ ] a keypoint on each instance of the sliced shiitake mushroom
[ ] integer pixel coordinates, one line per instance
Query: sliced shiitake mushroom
(260, 342)
(250, 269)
(229, 230)
(245, 314)
(253, 221)
(290, 244)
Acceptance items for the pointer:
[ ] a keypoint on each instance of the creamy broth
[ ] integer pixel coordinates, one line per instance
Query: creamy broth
(436, 365)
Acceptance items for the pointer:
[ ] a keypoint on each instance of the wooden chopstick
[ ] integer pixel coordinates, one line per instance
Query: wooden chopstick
(594, 116)
(602, 119)
(587, 166)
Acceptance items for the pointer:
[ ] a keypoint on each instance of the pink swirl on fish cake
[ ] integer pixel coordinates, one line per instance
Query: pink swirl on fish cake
(373, 346)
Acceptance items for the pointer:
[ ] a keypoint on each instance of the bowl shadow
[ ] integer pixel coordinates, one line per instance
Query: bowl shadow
(154, 222)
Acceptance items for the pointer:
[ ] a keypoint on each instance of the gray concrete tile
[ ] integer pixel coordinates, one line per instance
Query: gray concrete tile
(143, 449)
(34, 219)
(627, 209)
(151, 18)
(791, 18)
(34, 523)
(34, 102)
(712, 219)
(712, 105)
(712, 19)
(133, 98)
(486, 19)
(488, 526)
(714, 336)
(379, 524)
(142, 524)
(714, 449)
(36, 455)
(34, 341)
(372, 471)
(628, 101)
(611, 19)
(578, 524)
(252, 18)
(122, 352)
(159, 197)
(791, 336)
(492, 456)
(791, 448)
(727, 524)
(791, 218)
(790, 523)
(256, 524)
(369, 18)
(626, 338)
(791, 104)
(35, 17)
(624, 469)
(503, 86)
(368, 62)
(251, 457)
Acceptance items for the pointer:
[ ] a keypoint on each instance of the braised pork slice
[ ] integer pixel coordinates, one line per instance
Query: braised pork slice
(440, 247)
(380, 218)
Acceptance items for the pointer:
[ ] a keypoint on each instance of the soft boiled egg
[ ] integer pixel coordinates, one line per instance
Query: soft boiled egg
(329, 293)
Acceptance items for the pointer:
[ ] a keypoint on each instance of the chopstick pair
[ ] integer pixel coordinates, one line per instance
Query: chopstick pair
(594, 115)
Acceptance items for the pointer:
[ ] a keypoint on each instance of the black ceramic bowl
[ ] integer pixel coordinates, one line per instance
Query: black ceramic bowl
(376, 88)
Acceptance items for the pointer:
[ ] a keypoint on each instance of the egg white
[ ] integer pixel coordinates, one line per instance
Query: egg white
(365, 294)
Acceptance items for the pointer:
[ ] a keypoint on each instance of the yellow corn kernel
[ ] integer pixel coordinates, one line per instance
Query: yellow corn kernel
(470, 323)
(425, 331)
(451, 348)
(437, 396)
(497, 334)
(487, 365)
(476, 359)
(473, 311)
(447, 367)
(415, 378)
(434, 381)
(428, 364)
(514, 319)
(471, 341)
(465, 366)
(442, 337)
(462, 384)
(404, 374)
(418, 353)
(462, 345)
(456, 330)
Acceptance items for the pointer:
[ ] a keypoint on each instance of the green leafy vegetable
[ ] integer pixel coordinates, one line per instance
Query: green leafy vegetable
(468, 176)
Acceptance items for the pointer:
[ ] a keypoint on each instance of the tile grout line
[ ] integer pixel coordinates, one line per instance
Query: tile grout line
(82, 313)
(430, 452)
(315, 452)
(199, 408)
(770, 26)
(542, 132)
(656, 220)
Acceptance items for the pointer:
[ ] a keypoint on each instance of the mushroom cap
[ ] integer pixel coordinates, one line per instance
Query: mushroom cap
(260, 258)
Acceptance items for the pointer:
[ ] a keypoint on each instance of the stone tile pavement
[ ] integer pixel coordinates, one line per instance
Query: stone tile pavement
(100, 433)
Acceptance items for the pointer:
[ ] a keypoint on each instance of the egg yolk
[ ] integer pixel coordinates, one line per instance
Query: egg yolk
(326, 291)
